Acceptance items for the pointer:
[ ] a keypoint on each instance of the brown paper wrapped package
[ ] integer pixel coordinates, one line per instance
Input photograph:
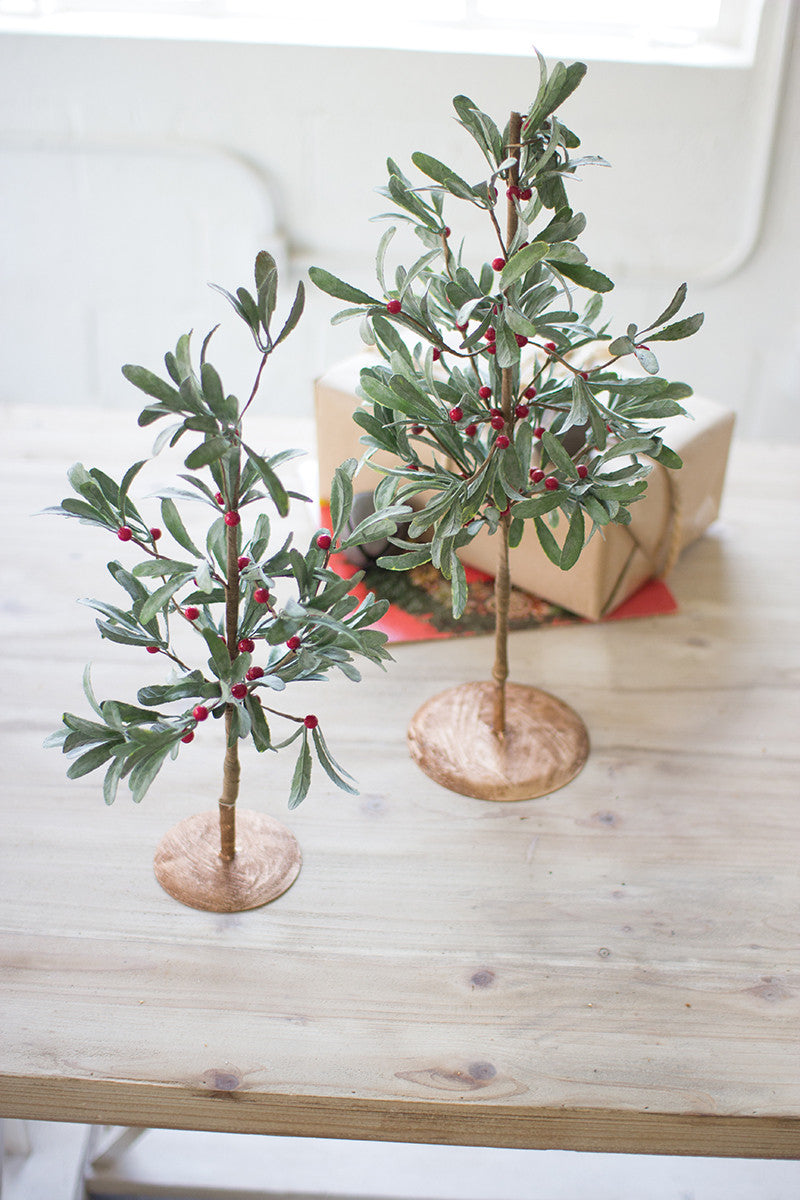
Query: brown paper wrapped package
(676, 509)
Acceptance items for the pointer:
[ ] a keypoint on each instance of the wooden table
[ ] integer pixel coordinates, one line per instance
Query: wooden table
(613, 967)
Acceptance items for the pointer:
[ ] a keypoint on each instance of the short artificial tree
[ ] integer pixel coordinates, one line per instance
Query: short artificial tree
(499, 410)
(250, 643)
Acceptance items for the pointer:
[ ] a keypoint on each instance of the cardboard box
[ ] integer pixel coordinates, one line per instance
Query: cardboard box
(676, 509)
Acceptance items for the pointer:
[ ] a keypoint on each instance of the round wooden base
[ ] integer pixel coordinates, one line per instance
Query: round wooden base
(545, 745)
(188, 865)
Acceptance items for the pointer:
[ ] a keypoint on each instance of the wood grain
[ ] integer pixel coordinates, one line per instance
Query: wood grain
(452, 739)
(189, 866)
(614, 966)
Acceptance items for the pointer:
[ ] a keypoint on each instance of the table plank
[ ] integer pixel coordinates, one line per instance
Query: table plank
(613, 967)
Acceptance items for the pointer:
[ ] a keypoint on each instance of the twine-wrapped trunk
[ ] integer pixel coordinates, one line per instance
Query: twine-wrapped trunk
(502, 583)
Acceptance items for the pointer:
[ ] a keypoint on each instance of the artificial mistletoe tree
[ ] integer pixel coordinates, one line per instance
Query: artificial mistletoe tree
(218, 617)
(501, 399)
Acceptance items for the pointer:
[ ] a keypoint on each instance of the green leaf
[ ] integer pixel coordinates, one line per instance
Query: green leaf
(586, 277)
(160, 598)
(220, 657)
(264, 266)
(259, 729)
(154, 567)
(681, 329)
(548, 542)
(329, 765)
(145, 771)
(294, 315)
(557, 454)
(521, 262)
(112, 778)
(90, 761)
(342, 495)
(207, 452)
(459, 593)
(675, 303)
(573, 543)
(302, 773)
(274, 486)
(149, 383)
(442, 174)
(404, 562)
(88, 691)
(338, 288)
(173, 522)
(646, 359)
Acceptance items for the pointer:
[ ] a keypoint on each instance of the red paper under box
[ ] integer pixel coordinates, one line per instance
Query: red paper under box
(676, 509)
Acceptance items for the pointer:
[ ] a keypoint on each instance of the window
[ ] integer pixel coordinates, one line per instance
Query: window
(703, 32)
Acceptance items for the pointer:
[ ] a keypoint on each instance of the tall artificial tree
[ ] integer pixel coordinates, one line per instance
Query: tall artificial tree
(247, 639)
(499, 410)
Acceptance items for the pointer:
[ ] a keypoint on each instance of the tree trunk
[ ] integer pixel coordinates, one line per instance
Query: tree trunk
(502, 582)
(231, 769)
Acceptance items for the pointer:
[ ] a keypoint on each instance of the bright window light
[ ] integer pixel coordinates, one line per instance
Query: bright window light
(705, 32)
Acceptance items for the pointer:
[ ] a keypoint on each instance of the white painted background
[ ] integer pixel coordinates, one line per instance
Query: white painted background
(131, 172)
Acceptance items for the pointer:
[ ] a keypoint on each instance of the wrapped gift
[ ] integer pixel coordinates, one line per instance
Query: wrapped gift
(675, 510)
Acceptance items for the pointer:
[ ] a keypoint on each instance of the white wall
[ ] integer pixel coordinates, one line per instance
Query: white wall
(132, 172)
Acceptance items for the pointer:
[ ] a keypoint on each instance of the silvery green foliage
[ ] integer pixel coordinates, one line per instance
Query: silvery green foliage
(321, 628)
(446, 330)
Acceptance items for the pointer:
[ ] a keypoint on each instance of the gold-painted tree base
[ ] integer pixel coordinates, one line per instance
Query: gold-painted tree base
(545, 745)
(188, 864)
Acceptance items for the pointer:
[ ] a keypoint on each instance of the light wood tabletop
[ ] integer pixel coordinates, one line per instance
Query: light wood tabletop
(613, 967)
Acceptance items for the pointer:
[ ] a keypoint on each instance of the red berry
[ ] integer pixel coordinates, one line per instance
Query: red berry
(490, 334)
(191, 613)
(551, 483)
(247, 645)
(324, 541)
(498, 264)
(261, 596)
(447, 231)
(437, 354)
(461, 328)
(456, 413)
(536, 475)
(253, 673)
(484, 392)
(502, 442)
(538, 431)
(412, 466)
(188, 737)
(525, 194)
(521, 411)
(232, 518)
(218, 496)
(152, 649)
(584, 374)
(394, 306)
(498, 421)
(521, 339)
(242, 562)
(124, 533)
(310, 721)
(200, 712)
(608, 428)
(513, 192)
(550, 347)
(529, 393)
(294, 643)
(491, 348)
(470, 430)
(417, 428)
(155, 533)
(583, 471)
(239, 690)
